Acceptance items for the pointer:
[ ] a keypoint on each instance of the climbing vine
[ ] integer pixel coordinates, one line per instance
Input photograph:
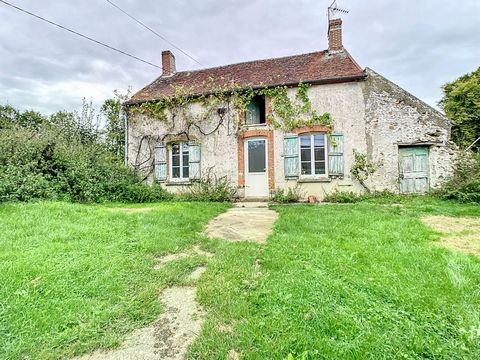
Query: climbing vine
(286, 113)
(185, 113)
(362, 168)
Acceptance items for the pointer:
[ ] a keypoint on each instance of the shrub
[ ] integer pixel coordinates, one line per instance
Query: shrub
(45, 163)
(343, 197)
(464, 186)
(351, 197)
(209, 188)
(290, 196)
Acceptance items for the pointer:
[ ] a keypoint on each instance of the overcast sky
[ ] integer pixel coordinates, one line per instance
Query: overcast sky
(418, 44)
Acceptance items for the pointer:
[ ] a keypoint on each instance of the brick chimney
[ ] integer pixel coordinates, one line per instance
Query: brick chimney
(168, 63)
(335, 35)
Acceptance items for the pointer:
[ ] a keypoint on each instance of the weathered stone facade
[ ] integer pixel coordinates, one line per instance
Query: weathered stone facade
(394, 118)
(375, 116)
(218, 151)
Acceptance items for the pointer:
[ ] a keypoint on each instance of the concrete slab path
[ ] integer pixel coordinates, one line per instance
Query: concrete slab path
(244, 222)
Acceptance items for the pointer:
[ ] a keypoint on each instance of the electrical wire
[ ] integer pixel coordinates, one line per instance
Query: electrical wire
(79, 34)
(153, 31)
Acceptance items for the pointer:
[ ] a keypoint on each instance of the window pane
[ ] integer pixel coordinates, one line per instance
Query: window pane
(175, 149)
(185, 159)
(176, 172)
(320, 168)
(175, 160)
(305, 154)
(184, 148)
(319, 154)
(305, 141)
(256, 156)
(185, 172)
(319, 140)
(306, 168)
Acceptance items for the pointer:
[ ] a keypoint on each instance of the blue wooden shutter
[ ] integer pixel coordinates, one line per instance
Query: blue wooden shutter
(335, 154)
(290, 144)
(194, 161)
(161, 162)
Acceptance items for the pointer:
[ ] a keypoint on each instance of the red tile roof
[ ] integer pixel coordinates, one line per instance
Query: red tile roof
(317, 67)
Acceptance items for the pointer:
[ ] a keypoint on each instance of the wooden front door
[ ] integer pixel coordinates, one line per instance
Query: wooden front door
(414, 170)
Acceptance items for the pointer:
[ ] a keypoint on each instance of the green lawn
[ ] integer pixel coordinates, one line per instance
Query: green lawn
(335, 281)
(76, 277)
(345, 281)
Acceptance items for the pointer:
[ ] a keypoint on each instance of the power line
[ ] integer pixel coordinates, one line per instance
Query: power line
(81, 35)
(153, 31)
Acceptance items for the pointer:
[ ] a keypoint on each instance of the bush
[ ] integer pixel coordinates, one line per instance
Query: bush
(44, 163)
(290, 196)
(343, 197)
(464, 186)
(209, 188)
(351, 197)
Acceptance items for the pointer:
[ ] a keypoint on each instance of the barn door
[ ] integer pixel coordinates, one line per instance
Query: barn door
(414, 169)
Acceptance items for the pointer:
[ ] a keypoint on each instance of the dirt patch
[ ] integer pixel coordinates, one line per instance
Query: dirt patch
(168, 338)
(198, 251)
(195, 275)
(225, 328)
(233, 355)
(170, 257)
(140, 345)
(161, 261)
(179, 324)
(243, 224)
(459, 233)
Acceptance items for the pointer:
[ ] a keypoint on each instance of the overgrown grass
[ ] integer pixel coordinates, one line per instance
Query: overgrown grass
(77, 277)
(359, 281)
(351, 281)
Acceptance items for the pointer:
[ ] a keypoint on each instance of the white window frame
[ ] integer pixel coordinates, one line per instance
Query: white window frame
(170, 165)
(312, 156)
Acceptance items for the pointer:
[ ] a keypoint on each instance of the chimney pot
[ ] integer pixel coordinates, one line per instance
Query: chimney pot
(168, 63)
(335, 35)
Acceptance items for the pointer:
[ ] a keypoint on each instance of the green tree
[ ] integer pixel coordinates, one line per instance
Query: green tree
(461, 103)
(113, 111)
(9, 117)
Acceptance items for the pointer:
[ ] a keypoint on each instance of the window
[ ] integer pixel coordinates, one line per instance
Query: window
(313, 155)
(256, 156)
(179, 160)
(255, 112)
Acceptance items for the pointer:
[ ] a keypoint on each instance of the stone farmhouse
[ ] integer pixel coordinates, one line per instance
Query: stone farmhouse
(187, 125)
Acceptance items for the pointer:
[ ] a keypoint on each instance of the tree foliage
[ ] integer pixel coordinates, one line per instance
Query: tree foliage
(115, 117)
(66, 156)
(461, 103)
(464, 185)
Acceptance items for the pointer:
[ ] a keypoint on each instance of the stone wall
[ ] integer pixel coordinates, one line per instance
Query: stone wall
(375, 116)
(345, 102)
(394, 118)
(218, 151)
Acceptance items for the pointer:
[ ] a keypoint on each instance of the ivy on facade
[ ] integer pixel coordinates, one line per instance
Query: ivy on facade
(194, 110)
(186, 113)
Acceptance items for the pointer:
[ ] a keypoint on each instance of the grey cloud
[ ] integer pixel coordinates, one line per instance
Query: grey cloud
(418, 44)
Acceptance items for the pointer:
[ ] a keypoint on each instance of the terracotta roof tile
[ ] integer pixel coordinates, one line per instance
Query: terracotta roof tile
(314, 67)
